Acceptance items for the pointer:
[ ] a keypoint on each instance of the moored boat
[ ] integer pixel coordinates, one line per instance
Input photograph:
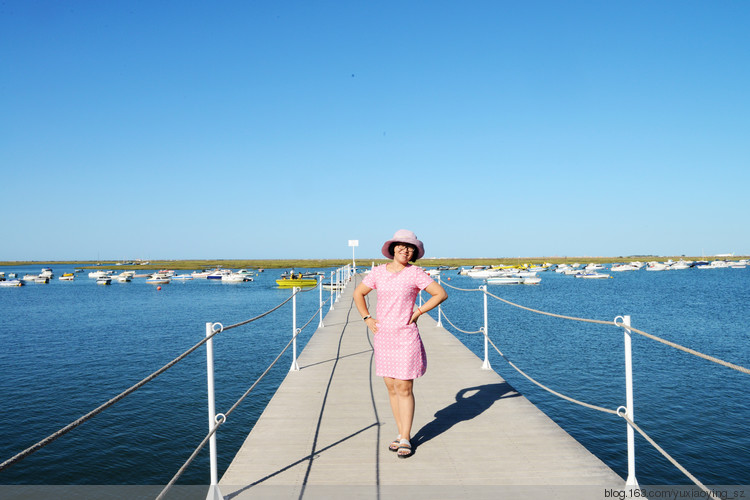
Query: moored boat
(292, 282)
(158, 280)
(67, 277)
(505, 280)
(593, 276)
(104, 280)
(9, 283)
(99, 274)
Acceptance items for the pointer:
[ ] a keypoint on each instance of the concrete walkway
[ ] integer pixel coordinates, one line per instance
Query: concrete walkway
(326, 431)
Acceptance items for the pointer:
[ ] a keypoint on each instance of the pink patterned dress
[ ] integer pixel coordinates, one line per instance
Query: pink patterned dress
(399, 352)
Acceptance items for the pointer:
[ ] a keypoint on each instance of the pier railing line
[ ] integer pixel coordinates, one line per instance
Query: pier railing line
(221, 418)
(341, 277)
(626, 412)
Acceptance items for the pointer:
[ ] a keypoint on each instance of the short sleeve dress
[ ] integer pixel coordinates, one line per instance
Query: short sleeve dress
(399, 352)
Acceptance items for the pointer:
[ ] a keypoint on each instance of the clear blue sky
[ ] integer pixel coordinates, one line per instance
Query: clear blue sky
(264, 129)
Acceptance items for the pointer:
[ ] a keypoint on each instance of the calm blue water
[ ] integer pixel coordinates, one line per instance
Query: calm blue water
(70, 346)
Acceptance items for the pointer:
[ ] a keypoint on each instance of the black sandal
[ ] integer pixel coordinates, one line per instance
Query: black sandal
(404, 444)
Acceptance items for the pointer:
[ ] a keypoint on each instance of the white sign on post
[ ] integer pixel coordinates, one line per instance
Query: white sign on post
(353, 243)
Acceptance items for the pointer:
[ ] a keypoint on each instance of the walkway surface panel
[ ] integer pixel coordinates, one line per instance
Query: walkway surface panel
(325, 433)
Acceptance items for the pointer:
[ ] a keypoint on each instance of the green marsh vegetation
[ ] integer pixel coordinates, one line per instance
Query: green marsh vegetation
(302, 264)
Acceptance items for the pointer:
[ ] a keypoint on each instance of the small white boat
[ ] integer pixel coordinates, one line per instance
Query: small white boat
(594, 267)
(47, 272)
(10, 283)
(124, 278)
(432, 272)
(484, 273)
(218, 274)
(104, 280)
(235, 278)
(593, 276)
(158, 280)
(99, 274)
(532, 281)
(30, 277)
(505, 280)
(656, 266)
(618, 268)
(67, 277)
(183, 277)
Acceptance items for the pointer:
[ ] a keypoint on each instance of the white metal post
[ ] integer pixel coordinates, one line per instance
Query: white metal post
(211, 403)
(332, 285)
(353, 244)
(338, 283)
(320, 299)
(631, 481)
(294, 367)
(440, 308)
(486, 364)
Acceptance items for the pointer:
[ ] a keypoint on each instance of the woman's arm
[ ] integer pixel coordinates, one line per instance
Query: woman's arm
(359, 301)
(438, 296)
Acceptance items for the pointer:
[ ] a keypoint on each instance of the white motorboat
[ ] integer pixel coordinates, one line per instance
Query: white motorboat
(484, 273)
(99, 274)
(217, 274)
(525, 274)
(235, 278)
(505, 280)
(67, 277)
(532, 281)
(158, 280)
(618, 268)
(47, 273)
(678, 265)
(432, 272)
(9, 283)
(656, 266)
(124, 278)
(593, 276)
(30, 277)
(183, 277)
(716, 264)
(104, 280)
(594, 267)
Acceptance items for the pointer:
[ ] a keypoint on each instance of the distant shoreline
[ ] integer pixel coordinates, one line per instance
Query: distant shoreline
(361, 262)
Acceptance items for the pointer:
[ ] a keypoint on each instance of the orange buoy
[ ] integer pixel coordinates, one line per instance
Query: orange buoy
(158, 288)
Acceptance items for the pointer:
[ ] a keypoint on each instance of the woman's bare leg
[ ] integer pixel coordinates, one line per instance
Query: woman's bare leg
(390, 384)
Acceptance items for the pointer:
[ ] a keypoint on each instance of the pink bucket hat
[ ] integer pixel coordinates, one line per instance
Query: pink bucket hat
(403, 236)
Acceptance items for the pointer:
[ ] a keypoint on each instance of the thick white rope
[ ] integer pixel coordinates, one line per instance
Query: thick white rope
(44, 442)
(667, 455)
(457, 328)
(640, 332)
(563, 396)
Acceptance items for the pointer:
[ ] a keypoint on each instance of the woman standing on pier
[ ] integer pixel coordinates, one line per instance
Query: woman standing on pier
(399, 353)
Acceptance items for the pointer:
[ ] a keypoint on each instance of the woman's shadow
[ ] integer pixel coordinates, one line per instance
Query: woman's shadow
(480, 398)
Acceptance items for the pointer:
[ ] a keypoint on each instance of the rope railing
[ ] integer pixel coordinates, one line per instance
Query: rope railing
(622, 411)
(558, 394)
(76, 423)
(640, 332)
(711, 494)
(221, 418)
(457, 328)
